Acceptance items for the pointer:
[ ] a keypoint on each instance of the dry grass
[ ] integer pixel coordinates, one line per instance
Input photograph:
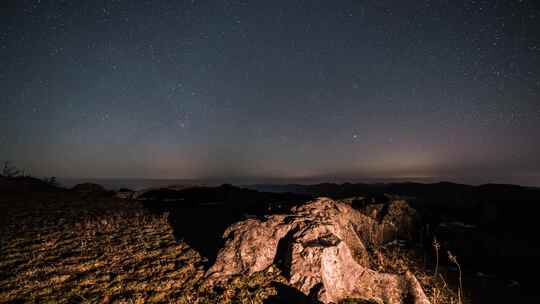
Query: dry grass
(127, 257)
(63, 248)
(393, 258)
(454, 260)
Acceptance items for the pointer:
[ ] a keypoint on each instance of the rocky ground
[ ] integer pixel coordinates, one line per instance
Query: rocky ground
(78, 247)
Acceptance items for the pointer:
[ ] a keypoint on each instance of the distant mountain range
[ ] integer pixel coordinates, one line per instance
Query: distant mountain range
(440, 190)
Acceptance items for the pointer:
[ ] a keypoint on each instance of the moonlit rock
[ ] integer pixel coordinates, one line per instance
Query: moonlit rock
(321, 248)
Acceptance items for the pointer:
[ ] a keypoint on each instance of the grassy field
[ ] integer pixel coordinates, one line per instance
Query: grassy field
(105, 252)
(62, 248)
(67, 248)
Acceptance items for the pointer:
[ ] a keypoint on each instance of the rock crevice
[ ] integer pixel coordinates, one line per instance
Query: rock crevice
(321, 248)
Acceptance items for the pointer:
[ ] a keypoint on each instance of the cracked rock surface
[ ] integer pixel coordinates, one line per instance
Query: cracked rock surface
(321, 248)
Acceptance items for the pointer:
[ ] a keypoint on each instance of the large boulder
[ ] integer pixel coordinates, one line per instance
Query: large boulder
(321, 248)
(396, 217)
(400, 220)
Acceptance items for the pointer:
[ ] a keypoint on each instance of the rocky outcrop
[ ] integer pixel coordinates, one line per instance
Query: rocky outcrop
(400, 220)
(321, 248)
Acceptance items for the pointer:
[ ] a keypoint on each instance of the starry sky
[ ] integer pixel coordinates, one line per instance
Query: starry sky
(286, 90)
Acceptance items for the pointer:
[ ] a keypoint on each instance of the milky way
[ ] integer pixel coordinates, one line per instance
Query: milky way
(272, 89)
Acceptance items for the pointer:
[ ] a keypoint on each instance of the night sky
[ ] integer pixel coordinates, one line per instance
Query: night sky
(326, 90)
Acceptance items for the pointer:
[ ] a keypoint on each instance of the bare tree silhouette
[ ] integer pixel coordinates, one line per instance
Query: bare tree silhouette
(10, 170)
